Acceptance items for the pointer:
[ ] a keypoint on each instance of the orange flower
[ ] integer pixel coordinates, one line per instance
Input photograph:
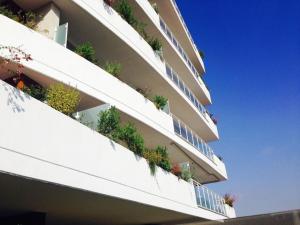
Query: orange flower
(20, 85)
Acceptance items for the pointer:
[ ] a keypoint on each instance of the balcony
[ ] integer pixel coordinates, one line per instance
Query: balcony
(188, 135)
(171, 14)
(188, 93)
(208, 199)
(99, 87)
(72, 165)
(172, 50)
(144, 70)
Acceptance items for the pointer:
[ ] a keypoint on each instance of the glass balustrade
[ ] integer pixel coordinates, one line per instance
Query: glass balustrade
(188, 93)
(170, 35)
(184, 24)
(208, 199)
(188, 135)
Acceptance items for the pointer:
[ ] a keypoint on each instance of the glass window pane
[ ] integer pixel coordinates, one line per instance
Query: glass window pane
(190, 138)
(183, 132)
(175, 79)
(176, 126)
(181, 86)
(168, 71)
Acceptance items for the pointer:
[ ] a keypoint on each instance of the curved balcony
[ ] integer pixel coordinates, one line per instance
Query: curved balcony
(173, 52)
(171, 14)
(115, 40)
(55, 160)
(98, 87)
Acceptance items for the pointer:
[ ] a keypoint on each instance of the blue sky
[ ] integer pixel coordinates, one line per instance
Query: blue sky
(252, 62)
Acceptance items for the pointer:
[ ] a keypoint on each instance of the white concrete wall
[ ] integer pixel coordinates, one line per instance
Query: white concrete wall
(230, 211)
(63, 65)
(50, 20)
(39, 142)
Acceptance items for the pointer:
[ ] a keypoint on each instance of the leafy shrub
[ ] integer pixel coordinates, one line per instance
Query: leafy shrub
(153, 159)
(109, 123)
(186, 175)
(125, 10)
(155, 44)
(36, 91)
(113, 68)
(4, 10)
(160, 101)
(87, 51)
(133, 139)
(27, 18)
(164, 161)
(62, 98)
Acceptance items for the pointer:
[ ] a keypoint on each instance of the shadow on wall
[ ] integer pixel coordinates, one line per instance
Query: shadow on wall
(13, 95)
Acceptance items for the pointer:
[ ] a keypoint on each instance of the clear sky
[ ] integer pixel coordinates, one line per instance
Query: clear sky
(252, 50)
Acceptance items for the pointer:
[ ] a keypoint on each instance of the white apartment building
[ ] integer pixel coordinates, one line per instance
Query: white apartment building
(57, 169)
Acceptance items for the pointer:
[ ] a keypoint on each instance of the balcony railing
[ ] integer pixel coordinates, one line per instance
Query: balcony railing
(183, 87)
(185, 26)
(170, 35)
(188, 135)
(208, 199)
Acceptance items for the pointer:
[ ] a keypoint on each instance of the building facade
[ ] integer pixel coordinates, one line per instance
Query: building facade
(124, 139)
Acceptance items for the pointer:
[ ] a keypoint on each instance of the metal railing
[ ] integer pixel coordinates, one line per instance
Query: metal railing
(184, 24)
(183, 87)
(188, 135)
(208, 199)
(171, 36)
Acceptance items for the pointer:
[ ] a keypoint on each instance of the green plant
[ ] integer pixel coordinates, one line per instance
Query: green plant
(164, 161)
(186, 175)
(62, 98)
(160, 101)
(36, 91)
(27, 18)
(125, 10)
(153, 159)
(113, 68)
(109, 123)
(4, 10)
(155, 44)
(133, 139)
(87, 51)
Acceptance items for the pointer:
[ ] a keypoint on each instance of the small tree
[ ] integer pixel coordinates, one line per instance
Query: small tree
(160, 101)
(113, 68)
(133, 139)
(62, 98)
(87, 51)
(109, 123)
